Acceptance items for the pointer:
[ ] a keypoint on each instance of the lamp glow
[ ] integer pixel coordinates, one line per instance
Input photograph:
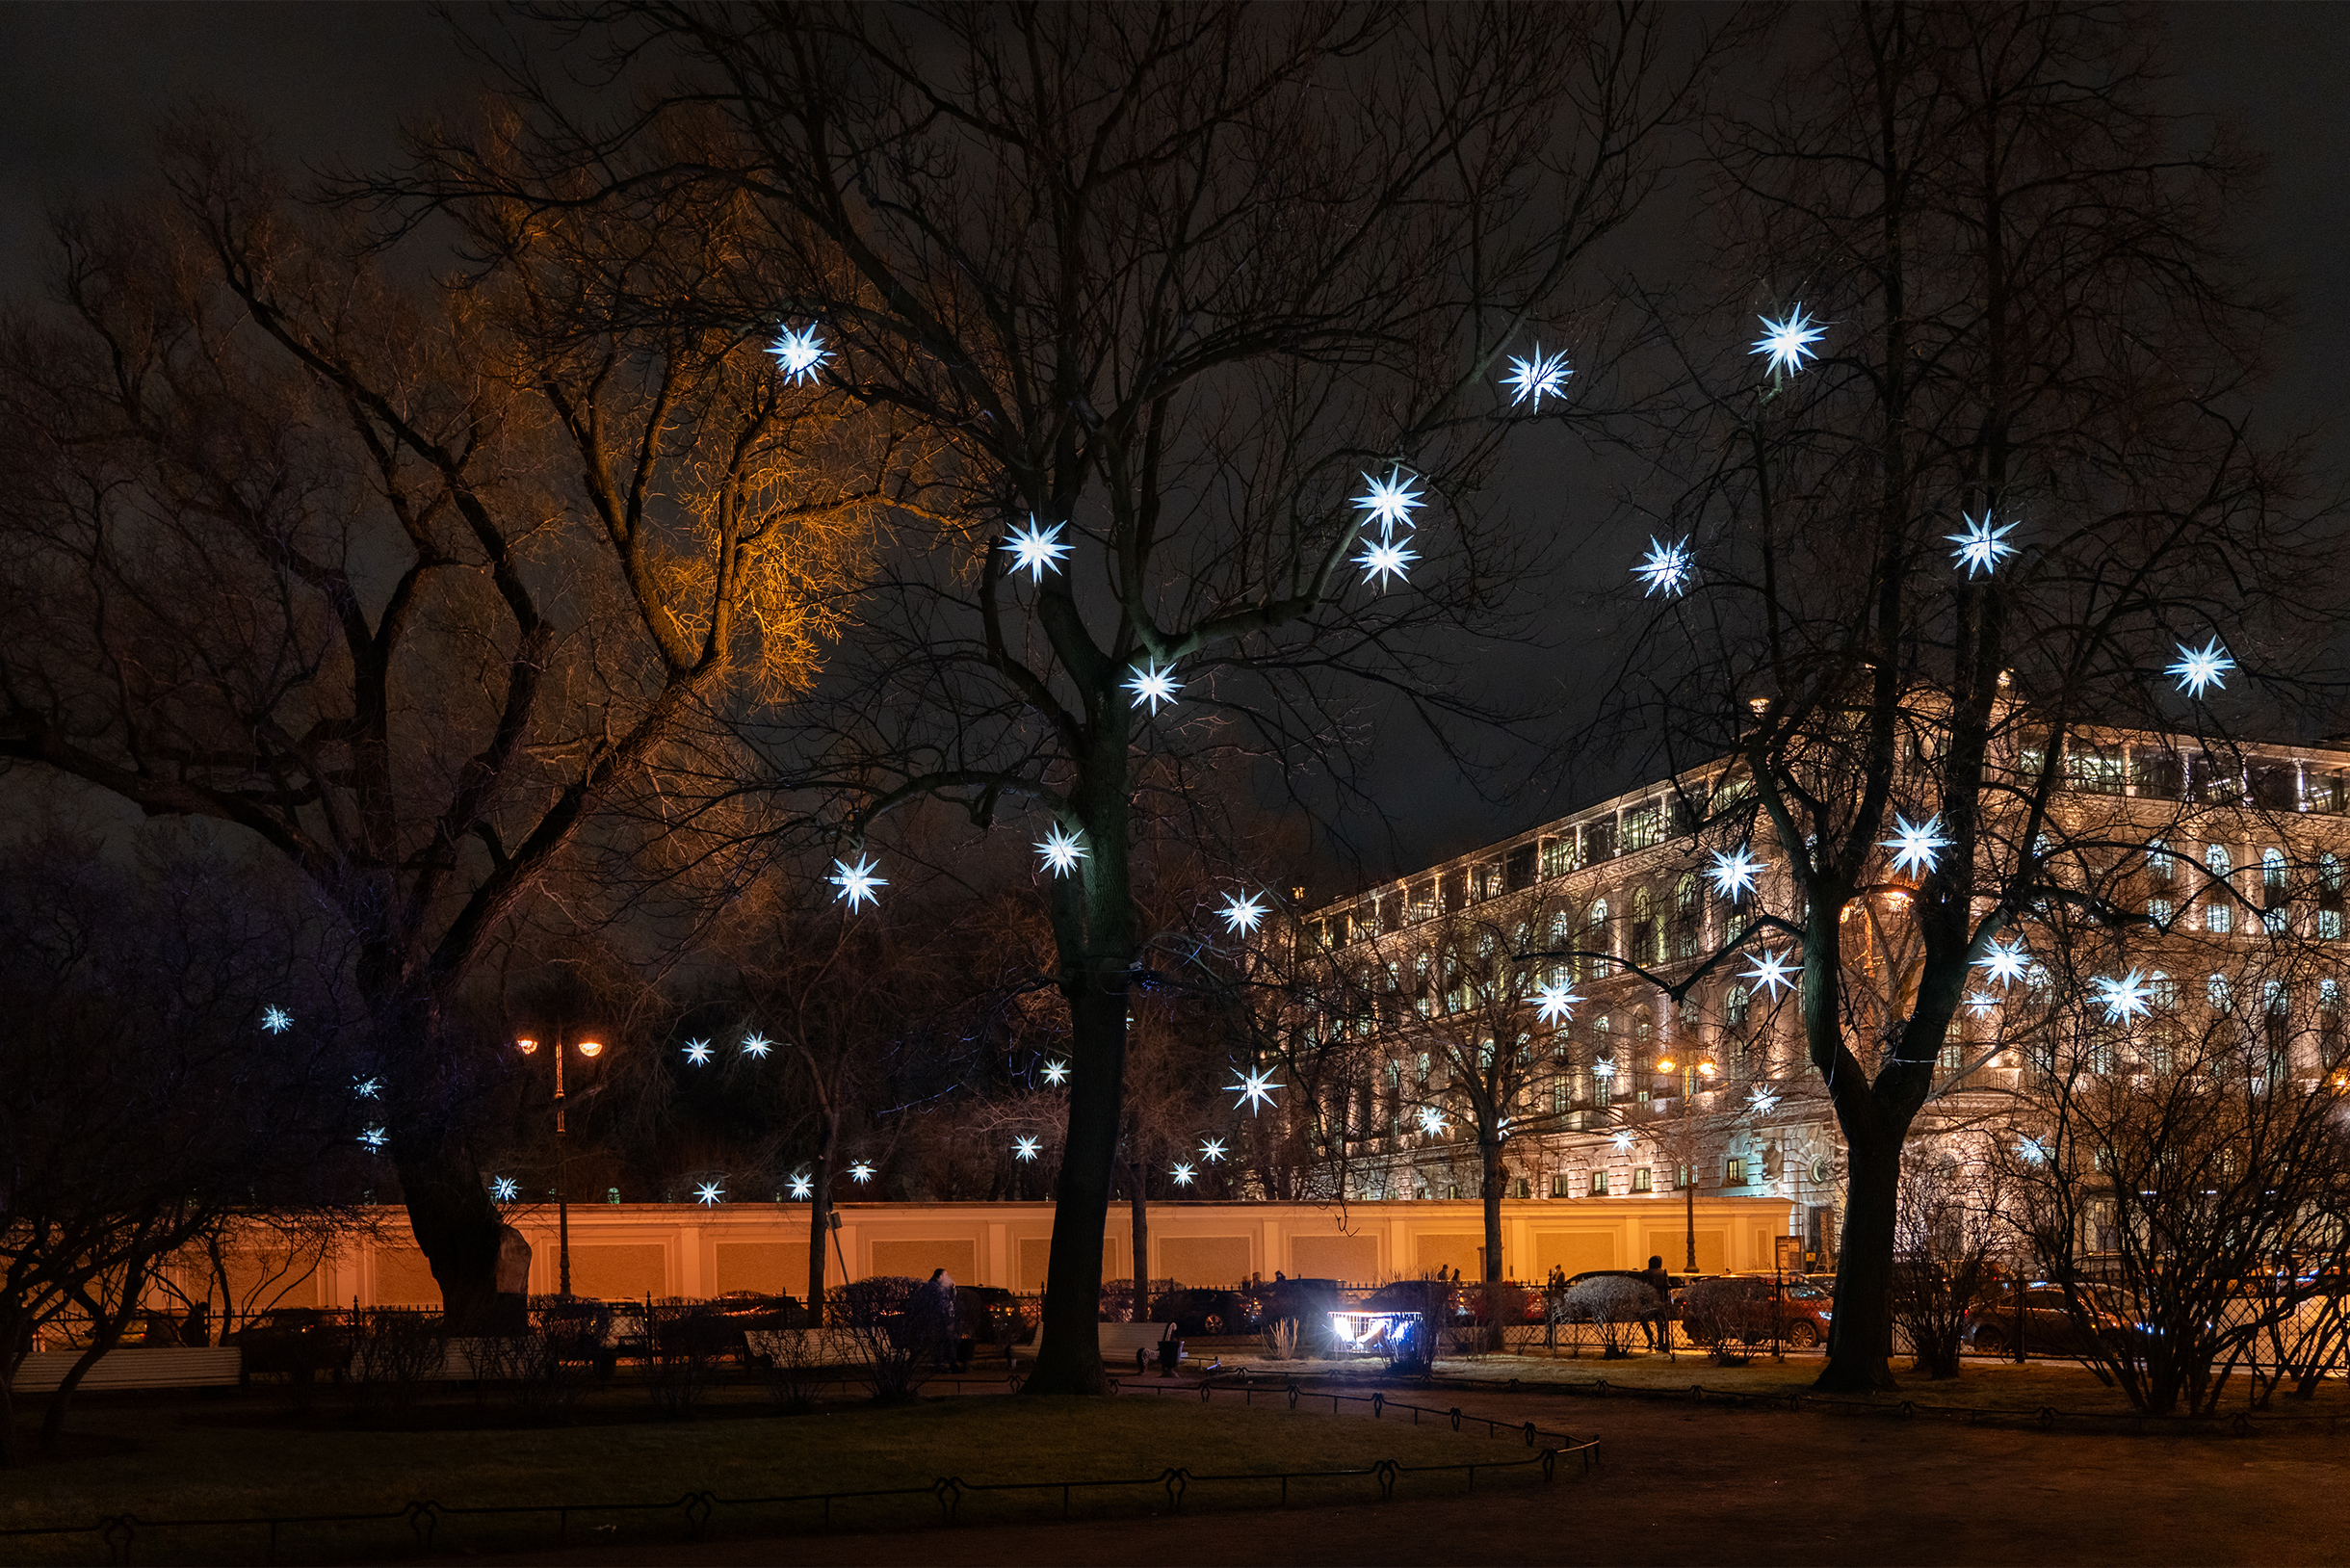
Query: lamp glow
(591, 1049)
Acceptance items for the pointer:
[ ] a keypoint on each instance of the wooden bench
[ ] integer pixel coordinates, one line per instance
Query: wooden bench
(1119, 1342)
(826, 1347)
(136, 1367)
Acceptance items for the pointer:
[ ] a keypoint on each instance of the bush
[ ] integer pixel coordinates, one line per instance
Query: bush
(1612, 1302)
(685, 1344)
(393, 1350)
(898, 1327)
(1720, 1313)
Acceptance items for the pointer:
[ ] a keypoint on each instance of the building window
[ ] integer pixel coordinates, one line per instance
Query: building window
(1642, 1180)
(2218, 994)
(1733, 1171)
(2160, 868)
(1735, 1006)
(1682, 1178)
(2217, 916)
(1561, 1186)
(2272, 878)
(1599, 1184)
(1596, 938)
(2158, 911)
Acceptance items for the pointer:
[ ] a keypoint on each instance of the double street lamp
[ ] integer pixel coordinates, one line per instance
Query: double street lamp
(590, 1049)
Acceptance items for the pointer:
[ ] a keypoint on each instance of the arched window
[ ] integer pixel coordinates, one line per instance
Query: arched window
(2218, 916)
(2218, 993)
(1595, 938)
(1734, 1007)
(2160, 868)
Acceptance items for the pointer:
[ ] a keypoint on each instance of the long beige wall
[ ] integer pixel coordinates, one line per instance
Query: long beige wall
(623, 1250)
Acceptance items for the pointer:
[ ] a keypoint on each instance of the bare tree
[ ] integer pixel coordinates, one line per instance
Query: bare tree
(1955, 1223)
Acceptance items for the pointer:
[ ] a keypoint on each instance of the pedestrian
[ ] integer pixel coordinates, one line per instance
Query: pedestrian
(1660, 1322)
(943, 1306)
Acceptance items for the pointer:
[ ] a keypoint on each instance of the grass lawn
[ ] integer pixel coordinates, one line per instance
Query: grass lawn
(244, 1457)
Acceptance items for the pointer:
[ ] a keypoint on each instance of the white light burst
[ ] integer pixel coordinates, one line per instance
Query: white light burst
(857, 883)
(1734, 872)
(1773, 972)
(1916, 845)
(707, 1193)
(2006, 962)
(803, 1186)
(1036, 550)
(1243, 913)
(1762, 1098)
(1062, 850)
(1538, 376)
(2200, 668)
(1555, 1004)
(1666, 567)
(1432, 1122)
(757, 1046)
(1056, 1073)
(799, 355)
(1211, 1150)
(697, 1051)
(1154, 685)
(367, 1088)
(1787, 342)
(1603, 1068)
(862, 1172)
(1382, 559)
(1255, 1088)
(2034, 1153)
(1982, 547)
(1622, 1142)
(1027, 1148)
(373, 1137)
(2125, 999)
(1980, 1003)
(276, 1020)
(1182, 1173)
(503, 1189)
(1390, 501)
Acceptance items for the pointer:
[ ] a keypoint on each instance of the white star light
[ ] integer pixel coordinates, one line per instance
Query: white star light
(1389, 501)
(861, 1171)
(1760, 1099)
(1182, 1173)
(1555, 1004)
(1603, 1068)
(1255, 1088)
(799, 354)
(1916, 845)
(1432, 1122)
(2006, 962)
(803, 1186)
(757, 1046)
(1665, 567)
(2031, 1150)
(276, 1020)
(1787, 342)
(2201, 667)
(1542, 376)
(2124, 999)
(1027, 1148)
(1056, 1073)
(1212, 1149)
(1154, 685)
(503, 1189)
(367, 1088)
(1036, 550)
(1981, 1002)
(1982, 547)
(1733, 873)
(857, 883)
(697, 1051)
(1382, 559)
(373, 1137)
(1243, 913)
(1062, 850)
(1773, 973)
(1622, 1142)
(707, 1193)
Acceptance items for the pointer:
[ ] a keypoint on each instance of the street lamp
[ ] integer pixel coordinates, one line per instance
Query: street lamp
(591, 1050)
(1695, 1070)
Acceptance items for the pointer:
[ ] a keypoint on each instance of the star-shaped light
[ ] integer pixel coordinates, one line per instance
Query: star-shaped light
(1773, 972)
(276, 1020)
(803, 1186)
(2200, 667)
(1787, 342)
(1154, 685)
(1056, 1073)
(1734, 872)
(1916, 845)
(1762, 1098)
(503, 1189)
(1504, 1127)
(1432, 1122)
(1981, 1002)
(2006, 962)
(367, 1088)
(799, 354)
(857, 883)
(1389, 501)
(1603, 1068)
(2125, 999)
(1382, 559)
(1622, 1142)
(2034, 1153)
(697, 1051)
(1036, 550)
(1062, 850)
(1211, 1150)
(1541, 376)
(1666, 567)
(373, 1137)
(1255, 1088)
(756, 1046)
(1182, 1173)
(861, 1171)
(707, 1193)
(1555, 1002)
(1027, 1148)
(1243, 913)
(1982, 547)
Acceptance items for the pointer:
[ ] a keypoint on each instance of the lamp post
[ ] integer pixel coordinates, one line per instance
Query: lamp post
(591, 1050)
(1695, 1068)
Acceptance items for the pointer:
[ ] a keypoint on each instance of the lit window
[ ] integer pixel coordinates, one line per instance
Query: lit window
(1599, 1184)
(1733, 1171)
(1642, 1181)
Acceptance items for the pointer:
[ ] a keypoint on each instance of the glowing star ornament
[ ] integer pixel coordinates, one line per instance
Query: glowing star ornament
(799, 355)
(1603, 1068)
(1154, 685)
(276, 1020)
(1062, 850)
(1432, 1122)
(803, 1186)
(1255, 1088)
(2006, 962)
(2125, 999)
(1036, 550)
(1916, 845)
(1787, 342)
(1382, 559)
(367, 1088)
(1056, 1073)
(1667, 568)
(757, 1046)
(1211, 1150)
(1980, 1003)
(857, 883)
(1027, 1148)
(1182, 1173)
(1622, 1142)
(2032, 1151)
(374, 1137)
(1734, 872)
(1555, 1004)
(707, 1193)
(1773, 972)
(2200, 668)
(1762, 1098)
(1982, 547)
(503, 1189)
(1390, 501)
(1538, 376)
(1243, 913)
(697, 1051)
(861, 1171)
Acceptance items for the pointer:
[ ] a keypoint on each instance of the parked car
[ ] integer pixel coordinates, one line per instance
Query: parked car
(1753, 1309)
(990, 1316)
(2048, 1326)
(1195, 1310)
(294, 1341)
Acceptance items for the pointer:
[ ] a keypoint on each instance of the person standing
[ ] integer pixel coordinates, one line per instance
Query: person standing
(1658, 1327)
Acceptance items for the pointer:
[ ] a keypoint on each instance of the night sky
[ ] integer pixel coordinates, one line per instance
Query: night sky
(80, 86)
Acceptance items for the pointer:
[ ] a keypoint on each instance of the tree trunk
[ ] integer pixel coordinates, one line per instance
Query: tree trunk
(820, 1217)
(1489, 1153)
(457, 1228)
(1861, 1334)
(1142, 1246)
(1069, 1359)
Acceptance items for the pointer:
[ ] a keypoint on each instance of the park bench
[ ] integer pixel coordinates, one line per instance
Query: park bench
(826, 1347)
(136, 1367)
(1119, 1342)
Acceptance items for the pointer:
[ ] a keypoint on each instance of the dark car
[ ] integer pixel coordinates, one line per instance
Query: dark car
(2047, 1325)
(990, 1315)
(294, 1341)
(1753, 1309)
(1196, 1311)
